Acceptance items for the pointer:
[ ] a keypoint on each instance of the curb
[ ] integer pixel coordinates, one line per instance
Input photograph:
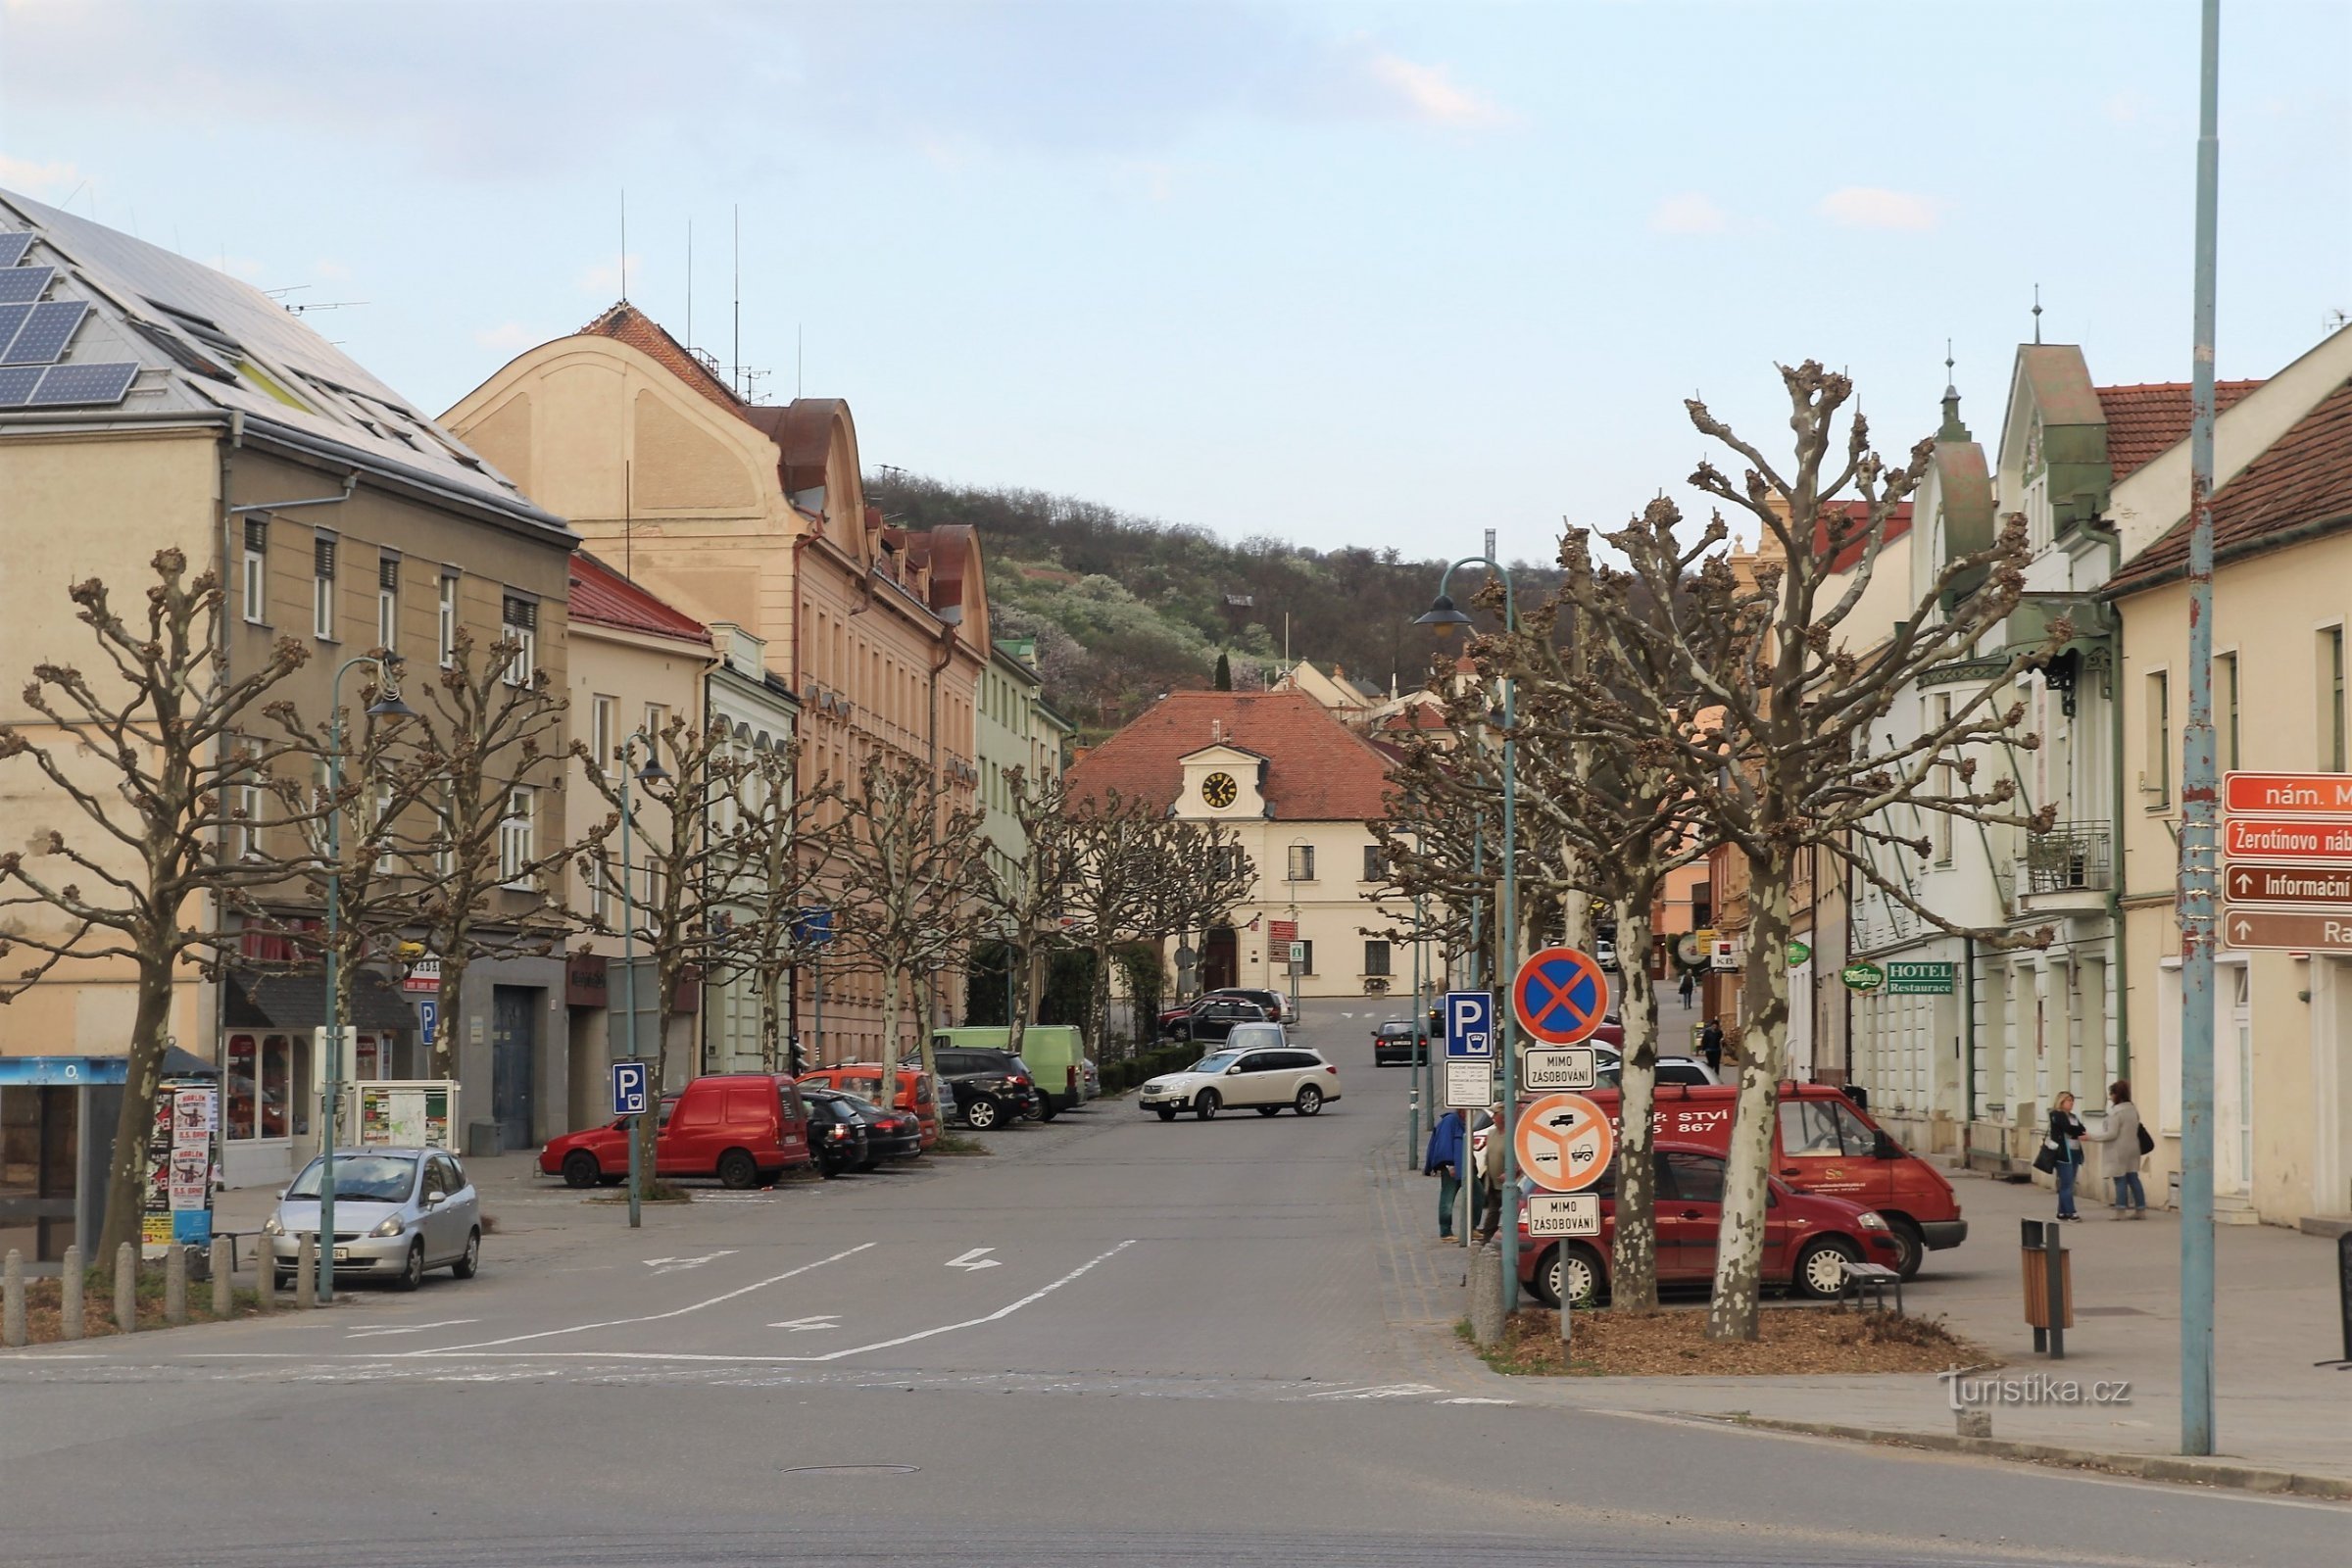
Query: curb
(2147, 1466)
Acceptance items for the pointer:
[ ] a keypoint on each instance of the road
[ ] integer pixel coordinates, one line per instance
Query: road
(1176, 1343)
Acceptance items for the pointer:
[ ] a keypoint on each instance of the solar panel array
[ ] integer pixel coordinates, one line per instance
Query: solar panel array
(14, 244)
(18, 283)
(34, 333)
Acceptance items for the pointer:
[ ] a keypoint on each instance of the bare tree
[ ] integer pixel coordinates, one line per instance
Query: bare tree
(153, 756)
(793, 841)
(1110, 875)
(1025, 898)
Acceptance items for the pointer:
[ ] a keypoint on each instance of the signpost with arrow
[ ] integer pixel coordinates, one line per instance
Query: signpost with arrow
(2287, 877)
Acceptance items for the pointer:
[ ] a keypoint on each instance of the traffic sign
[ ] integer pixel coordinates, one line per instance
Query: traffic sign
(1560, 996)
(2288, 930)
(2271, 900)
(2323, 795)
(1563, 1213)
(1469, 1024)
(429, 1020)
(1566, 1067)
(1564, 1142)
(1469, 1085)
(2267, 882)
(812, 926)
(1297, 953)
(2294, 841)
(629, 1088)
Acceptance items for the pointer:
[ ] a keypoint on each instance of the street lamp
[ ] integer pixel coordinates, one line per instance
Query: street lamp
(1446, 619)
(388, 704)
(653, 773)
(1292, 956)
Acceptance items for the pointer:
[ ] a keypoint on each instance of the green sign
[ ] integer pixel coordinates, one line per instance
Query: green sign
(1919, 979)
(1861, 976)
(1798, 952)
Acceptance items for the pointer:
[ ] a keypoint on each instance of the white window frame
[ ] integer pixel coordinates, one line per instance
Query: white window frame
(515, 852)
(387, 602)
(380, 819)
(605, 732)
(322, 586)
(255, 584)
(1299, 863)
(446, 631)
(524, 631)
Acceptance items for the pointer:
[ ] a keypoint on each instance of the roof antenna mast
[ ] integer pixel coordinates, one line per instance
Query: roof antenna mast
(690, 283)
(2037, 313)
(735, 371)
(624, 244)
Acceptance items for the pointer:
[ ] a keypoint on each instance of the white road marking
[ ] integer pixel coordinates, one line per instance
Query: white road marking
(977, 1257)
(801, 1325)
(649, 1317)
(1477, 1401)
(676, 1265)
(377, 1330)
(1379, 1390)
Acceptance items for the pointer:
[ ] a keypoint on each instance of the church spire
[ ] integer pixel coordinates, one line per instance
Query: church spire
(1952, 430)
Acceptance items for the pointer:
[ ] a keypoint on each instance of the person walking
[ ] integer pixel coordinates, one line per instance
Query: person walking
(1689, 984)
(2124, 1144)
(1490, 1173)
(1445, 1161)
(2064, 1150)
(1711, 1046)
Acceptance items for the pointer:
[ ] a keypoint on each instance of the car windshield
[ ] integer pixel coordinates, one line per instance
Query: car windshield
(361, 1178)
(1216, 1063)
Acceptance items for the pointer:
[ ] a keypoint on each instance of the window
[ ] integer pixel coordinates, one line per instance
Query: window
(657, 716)
(515, 852)
(380, 827)
(387, 602)
(322, 588)
(2156, 772)
(2225, 686)
(521, 626)
(1376, 957)
(445, 846)
(1825, 1128)
(1375, 864)
(257, 575)
(1939, 720)
(445, 633)
(1697, 1178)
(1303, 862)
(1306, 956)
(244, 806)
(603, 733)
(2330, 681)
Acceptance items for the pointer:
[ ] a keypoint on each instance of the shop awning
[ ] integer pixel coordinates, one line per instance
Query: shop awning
(79, 1070)
(297, 1001)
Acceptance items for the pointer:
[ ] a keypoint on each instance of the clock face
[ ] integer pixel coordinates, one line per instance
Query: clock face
(1219, 790)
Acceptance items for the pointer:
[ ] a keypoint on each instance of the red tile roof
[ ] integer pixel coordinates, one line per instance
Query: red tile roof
(628, 325)
(1318, 770)
(1421, 715)
(1898, 523)
(2143, 422)
(2304, 477)
(603, 597)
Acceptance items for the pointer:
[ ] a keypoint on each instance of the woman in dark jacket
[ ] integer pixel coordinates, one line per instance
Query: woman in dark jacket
(2066, 1148)
(1445, 1161)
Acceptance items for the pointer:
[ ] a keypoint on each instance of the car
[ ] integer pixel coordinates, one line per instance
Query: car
(1604, 952)
(917, 1094)
(1092, 1076)
(888, 1134)
(744, 1128)
(1808, 1238)
(1398, 1042)
(838, 1132)
(1278, 1004)
(1213, 1017)
(989, 1087)
(398, 1212)
(1687, 1071)
(1050, 1054)
(1265, 1078)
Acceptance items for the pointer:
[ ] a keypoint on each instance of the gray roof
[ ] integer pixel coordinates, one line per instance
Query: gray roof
(206, 342)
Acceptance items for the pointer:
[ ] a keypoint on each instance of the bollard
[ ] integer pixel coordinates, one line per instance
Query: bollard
(306, 1274)
(224, 1299)
(175, 1285)
(69, 1288)
(1486, 1295)
(127, 1288)
(1973, 1420)
(11, 1300)
(265, 1269)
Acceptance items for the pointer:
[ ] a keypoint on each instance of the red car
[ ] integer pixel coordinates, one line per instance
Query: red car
(742, 1128)
(1808, 1238)
(865, 1080)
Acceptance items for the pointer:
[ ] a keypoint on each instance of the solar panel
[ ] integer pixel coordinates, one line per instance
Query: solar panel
(17, 382)
(13, 243)
(12, 316)
(23, 284)
(46, 332)
(83, 383)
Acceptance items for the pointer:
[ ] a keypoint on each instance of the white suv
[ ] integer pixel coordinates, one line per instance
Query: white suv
(1253, 1071)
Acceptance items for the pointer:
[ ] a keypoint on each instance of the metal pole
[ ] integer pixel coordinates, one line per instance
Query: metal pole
(628, 981)
(2199, 781)
(1412, 1135)
(332, 1075)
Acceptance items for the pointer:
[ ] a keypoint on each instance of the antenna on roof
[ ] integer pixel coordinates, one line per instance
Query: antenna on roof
(797, 381)
(624, 243)
(2037, 313)
(690, 283)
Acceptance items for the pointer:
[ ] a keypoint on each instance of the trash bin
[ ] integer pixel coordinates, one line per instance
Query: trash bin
(2044, 1298)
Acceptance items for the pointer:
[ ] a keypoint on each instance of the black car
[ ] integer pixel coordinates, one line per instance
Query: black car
(888, 1134)
(1213, 1017)
(991, 1087)
(837, 1134)
(1278, 1006)
(1393, 1043)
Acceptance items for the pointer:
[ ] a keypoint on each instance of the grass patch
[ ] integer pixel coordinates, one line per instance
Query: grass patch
(1792, 1342)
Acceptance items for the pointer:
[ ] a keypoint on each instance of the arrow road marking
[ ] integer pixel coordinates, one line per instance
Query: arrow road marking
(672, 1265)
(801, 1325)
(977, 1257)
(373, 1329)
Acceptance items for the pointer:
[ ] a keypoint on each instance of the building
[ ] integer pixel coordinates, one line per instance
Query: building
(177, 406)
(1015, 731)
(756, 517)
(757, 707)
(1346, 699)
(1300, 790)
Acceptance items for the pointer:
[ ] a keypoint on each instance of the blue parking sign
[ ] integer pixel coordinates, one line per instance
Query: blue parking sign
(1469, 1024)
(629, 1082)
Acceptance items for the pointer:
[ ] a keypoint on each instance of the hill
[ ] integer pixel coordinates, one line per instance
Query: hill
(1125, 608)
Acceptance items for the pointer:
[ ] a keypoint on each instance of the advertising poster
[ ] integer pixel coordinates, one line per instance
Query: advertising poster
(178, 1207)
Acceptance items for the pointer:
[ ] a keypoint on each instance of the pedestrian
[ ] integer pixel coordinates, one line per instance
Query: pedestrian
(1689, 984)
(1490, 1174)
(2062, 1153)
(1445, 1161)
(2124, 1142)
(1711, 1046)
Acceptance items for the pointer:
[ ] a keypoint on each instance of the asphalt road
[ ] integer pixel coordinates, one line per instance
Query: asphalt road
(1172, 1344)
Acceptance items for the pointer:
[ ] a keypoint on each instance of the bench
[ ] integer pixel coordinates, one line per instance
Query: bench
(1870, 1281)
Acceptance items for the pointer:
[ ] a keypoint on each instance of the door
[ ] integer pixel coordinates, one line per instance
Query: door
(753, 1113)
(1220, 963)
(1689, 1211)
(1825, 1148)
(445, 1225)
(689, 1148)
(2234, 1086)
(513, 1062)
(1259, 1082)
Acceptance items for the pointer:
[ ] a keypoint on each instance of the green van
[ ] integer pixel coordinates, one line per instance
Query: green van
(1051, 1049)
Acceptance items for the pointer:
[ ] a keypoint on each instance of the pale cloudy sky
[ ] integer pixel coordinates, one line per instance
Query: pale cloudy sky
(1384, 274)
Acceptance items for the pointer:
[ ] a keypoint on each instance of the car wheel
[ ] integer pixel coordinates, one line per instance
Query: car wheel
(981, 1114)
(1546, 1283)
(1164, 1113)
(1206, 1107)
(580, 1170)
(471, 1265)
(1047, 1110)
(828, 1170)
(1309, 1102)
(869, 1168)
(1583, 1279)
(412, 1273)
(737, 1170)
(1821, 1267)
(1269, 1111)
(1182, 1032)
(1914, 1243)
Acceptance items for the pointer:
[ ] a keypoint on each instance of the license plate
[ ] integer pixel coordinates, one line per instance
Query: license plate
(342, 1254)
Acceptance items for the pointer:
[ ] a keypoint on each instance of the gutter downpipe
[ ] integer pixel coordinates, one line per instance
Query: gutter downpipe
(2115, 810)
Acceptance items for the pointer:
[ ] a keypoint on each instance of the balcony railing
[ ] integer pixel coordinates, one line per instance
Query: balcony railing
(2071, 857)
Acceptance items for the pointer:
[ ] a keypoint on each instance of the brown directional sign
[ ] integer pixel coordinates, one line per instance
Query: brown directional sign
(2293, 931)
(2299, 840)
(2321, 795)
(2265, 882)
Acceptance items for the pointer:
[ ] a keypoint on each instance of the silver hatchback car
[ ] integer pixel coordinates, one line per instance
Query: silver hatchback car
(398, 1212)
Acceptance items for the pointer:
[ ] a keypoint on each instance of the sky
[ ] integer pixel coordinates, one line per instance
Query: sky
(1385, 274)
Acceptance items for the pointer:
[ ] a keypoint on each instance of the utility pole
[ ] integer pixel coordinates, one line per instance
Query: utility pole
(2198, 786)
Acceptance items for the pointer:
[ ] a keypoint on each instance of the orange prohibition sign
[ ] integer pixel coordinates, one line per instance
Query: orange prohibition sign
(1564, 1142)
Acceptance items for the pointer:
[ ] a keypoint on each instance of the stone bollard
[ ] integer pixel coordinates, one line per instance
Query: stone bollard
(69, 1287)
(306, 1274)
(127, 1288)
(175, 1285)
(1486, 1295)
(265, 1269)
(1973, 1420)
(11, 1300)
(224, 1297)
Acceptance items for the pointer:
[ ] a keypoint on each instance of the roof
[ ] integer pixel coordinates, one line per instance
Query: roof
(1417, 715)
(2304, 476)
(2143, 422)
(603, 597)
(626, 324)
(1898, 523)
(1317, 769)
(208, 344)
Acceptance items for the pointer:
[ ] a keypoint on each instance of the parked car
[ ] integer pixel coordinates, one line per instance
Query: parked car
(1683, 1071)
(1092, 1076)
(990, 1087)
(742, 1128)
(1213, 1018)
(917, 1094)
(1808, 1237)
(1824, 1143)
(1395, 1042)
(1604, 952)
(398, 1212)
(1266, 1080)
(1278, 1004)
(888, 1134)
(1049, 1051)
(838, 1133)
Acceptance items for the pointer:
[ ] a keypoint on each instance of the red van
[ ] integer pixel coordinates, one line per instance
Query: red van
(1821, 1143)
(865, 1080)
(742, 1128)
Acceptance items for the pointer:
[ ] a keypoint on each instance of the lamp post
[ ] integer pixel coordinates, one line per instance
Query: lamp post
(652, 773)
(1291, 959)
(388, 704)
(1446, 619)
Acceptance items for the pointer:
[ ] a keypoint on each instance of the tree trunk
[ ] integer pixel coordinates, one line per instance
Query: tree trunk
(126, 1165)
(1016, 1018)
(1099, 1001)
(772, 1024)
(445, 1028)
(648, 1125)
(1633, 1276)
(1763, 1033)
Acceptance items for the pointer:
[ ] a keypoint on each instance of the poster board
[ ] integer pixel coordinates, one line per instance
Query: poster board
(412, 1113)
(177, 1209)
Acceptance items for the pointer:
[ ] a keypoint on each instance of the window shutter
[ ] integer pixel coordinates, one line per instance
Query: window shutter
(323, 551)
(257, 534)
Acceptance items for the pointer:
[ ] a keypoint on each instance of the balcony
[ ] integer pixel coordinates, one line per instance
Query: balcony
(2067, 870)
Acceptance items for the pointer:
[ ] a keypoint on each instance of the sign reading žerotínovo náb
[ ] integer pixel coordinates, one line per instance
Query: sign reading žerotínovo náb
(2321, 795)
(2287, 871)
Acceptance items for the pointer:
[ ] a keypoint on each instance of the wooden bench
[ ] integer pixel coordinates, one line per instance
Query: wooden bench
(1870, 1281)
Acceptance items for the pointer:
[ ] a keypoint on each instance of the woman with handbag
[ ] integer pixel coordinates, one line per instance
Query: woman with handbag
(2127, 1142)
(2062, 1153)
